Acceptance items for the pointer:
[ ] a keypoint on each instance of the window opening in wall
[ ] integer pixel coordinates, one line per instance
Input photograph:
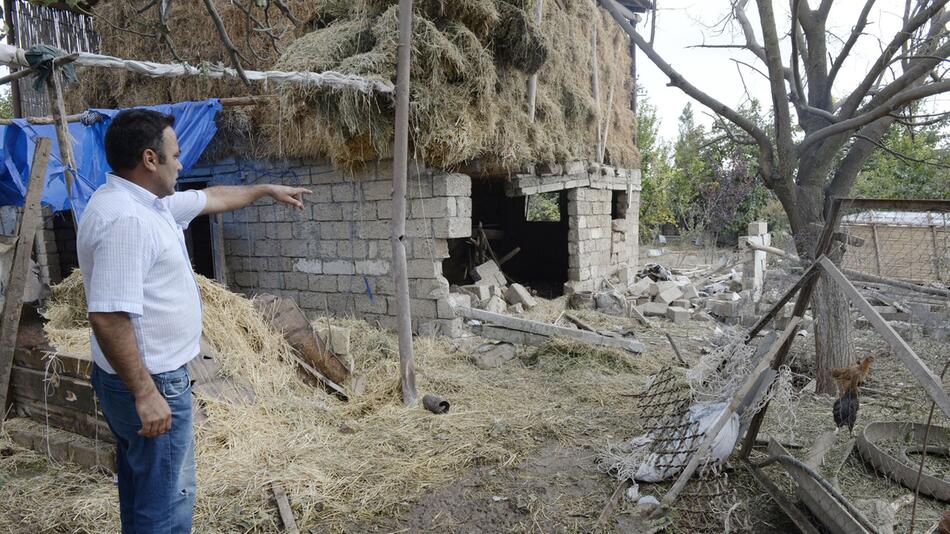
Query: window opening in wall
(543, 207)
(527, 235)
(618, 205)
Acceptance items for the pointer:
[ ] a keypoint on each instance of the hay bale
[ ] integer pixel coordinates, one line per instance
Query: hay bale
(517, 40)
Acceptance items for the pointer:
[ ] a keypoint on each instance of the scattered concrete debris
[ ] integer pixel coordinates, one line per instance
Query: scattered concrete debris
(493, 355)
(491, 292)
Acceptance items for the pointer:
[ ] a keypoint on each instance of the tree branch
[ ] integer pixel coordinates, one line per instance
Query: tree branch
(223, 34)
(782, 120)
(856, 32)
(893, 104)
(287, 13)
(796, 75)
(904, 157)
(851, 103)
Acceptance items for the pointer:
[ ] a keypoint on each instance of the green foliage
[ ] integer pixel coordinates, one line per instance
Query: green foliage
(6, 105)
(655, 170)
(922, 172)
(544, 207)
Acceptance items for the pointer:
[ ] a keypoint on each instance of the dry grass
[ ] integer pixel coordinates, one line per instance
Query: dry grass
(470, 63)
(341, 462)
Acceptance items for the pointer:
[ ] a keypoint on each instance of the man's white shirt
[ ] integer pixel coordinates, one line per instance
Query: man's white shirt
(133, 258)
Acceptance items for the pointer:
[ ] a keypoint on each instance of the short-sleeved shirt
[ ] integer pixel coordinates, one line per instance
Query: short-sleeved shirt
(133, 259)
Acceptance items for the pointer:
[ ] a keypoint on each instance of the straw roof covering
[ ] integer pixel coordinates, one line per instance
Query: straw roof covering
(471, 60)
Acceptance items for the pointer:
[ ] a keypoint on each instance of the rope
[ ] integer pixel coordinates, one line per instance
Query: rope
(51, 378)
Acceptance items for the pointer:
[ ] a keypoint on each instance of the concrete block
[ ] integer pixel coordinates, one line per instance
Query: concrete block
(496, 305)
(659, 287)
(308, 266)
(723, 308)
(245, 279)
(451, 185)
(456, 300)
(518, 294)
(479, 293)
(324, 283)
(681, 303)
(424, 268)
(296, 281)
(294, 248)
(758, 228)
(689, 292)
(492, 355)
(372, 267)
(339, 267)
(516, 309)
(377, 190)
(641, 287)
(488, 273)
(337, 338)
(677, 315)
(452, 227)
(669, 295)
(653, 309)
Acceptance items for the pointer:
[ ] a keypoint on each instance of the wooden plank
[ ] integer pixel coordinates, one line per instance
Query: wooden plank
(930, 382)
(792, 291)
(73, 365)
(283, 506)
(548, 330)
(791, 510)
(65, 391)
(217, 250)
(82, 423)
(13, 301)
(737, 397)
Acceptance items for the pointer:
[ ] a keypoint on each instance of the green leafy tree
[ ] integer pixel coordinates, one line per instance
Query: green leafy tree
(6, 105)
(914, 162)
(690, 171)
(655, 169)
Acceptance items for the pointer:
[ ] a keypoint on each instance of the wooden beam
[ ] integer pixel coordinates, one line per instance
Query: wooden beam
(54, 90)
(13, 301)
(877, 249)
(792, 291)
(548, 330)
(930, 382)
(533, 80)
(407, 365)
(791, 509)
(711, 434)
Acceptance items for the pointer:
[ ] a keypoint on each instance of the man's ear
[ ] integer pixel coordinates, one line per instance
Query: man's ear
(150, 159)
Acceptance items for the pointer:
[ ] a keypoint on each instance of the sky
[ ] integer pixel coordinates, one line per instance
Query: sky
(682, 24)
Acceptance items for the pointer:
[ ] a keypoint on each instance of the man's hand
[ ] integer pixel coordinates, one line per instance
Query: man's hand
(154, 413)
(288, 195)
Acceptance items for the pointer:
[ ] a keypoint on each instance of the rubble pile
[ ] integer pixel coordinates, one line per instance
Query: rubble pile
(492, 292)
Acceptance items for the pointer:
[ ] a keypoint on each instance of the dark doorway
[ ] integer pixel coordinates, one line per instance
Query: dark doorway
(534, 227)
(198, 235)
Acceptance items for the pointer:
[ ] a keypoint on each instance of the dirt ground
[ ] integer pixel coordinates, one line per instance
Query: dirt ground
(552, 481)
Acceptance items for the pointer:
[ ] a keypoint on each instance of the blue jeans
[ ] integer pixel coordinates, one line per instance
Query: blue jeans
(156, 476)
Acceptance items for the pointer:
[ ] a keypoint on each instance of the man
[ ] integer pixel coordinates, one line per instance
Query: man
(145, 313)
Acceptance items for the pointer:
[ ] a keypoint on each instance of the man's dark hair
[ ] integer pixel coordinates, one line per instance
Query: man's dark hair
(131, 132)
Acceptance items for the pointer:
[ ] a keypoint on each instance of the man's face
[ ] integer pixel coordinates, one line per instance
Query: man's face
(165, 168)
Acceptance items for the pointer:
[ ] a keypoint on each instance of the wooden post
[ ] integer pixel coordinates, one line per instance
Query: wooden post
(533, 80)
(737, 397)
(933, 238)
(217, 249)
(13, 302)
(11, 40)
(57, 107)
(595, 86)
(407, 367)
(877, 249)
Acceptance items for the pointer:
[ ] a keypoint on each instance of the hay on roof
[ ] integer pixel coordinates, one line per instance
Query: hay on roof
(470, 63)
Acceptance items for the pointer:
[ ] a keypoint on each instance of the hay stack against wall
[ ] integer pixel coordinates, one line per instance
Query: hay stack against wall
(471, 62)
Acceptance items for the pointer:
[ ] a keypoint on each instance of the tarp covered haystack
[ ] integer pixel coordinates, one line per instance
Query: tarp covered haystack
(471, 60)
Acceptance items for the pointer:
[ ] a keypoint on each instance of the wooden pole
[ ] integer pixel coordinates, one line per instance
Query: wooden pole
(54, 89)
(11, 40)
(407, 367)
(533, 80)
(13, 303)
(877, 249)
(595, 87)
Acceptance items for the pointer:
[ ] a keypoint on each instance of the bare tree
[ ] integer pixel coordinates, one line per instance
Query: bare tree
(839, 134)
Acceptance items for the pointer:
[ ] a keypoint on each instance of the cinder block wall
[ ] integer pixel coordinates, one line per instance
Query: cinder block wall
(334, 256)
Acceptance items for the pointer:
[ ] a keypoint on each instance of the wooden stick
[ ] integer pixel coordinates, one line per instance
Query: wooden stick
(13, 302)
(580, 323)
(54, 89)
(533, 80)
(676, 349)
(595, 83)
(283, 507)
(930, 382)
(612, 502)
(225, 102)
(407, 367)
(737, 397)
(877, 249)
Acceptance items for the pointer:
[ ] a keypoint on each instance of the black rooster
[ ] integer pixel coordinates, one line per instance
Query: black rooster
(845, 409)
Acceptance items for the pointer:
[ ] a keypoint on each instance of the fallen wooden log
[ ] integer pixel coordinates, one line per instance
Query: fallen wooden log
(283, 507)
(287, 318)
(545, 330)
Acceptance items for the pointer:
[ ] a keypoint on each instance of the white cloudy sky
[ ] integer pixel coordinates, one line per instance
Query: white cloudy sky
(684, 23)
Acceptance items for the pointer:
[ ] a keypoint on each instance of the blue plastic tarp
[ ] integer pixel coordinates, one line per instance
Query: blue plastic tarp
(194, 126)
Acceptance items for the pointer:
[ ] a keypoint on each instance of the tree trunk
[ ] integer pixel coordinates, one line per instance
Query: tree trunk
(830, 306)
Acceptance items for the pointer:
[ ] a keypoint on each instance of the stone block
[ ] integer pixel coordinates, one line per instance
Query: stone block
(653, 309)
(689, 292)
(641, 287)
(451, 185)
(338, 267)
(492, 355)
(723, 308)
(681, 303)
(296, 281)
(488, 273)
(377, 190)
(452, 227)
(479, 293)
(245, 279)
(677, 315)
(758, 228)
(667, 296)
(298, 248)
(658, 287)
(337, 338)
(518, 294)
(372, 267)
(308, 266)
(423, 268)
(496, 304)
(270, 281)
(516, 309)
(457, 300)
(323, 283)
